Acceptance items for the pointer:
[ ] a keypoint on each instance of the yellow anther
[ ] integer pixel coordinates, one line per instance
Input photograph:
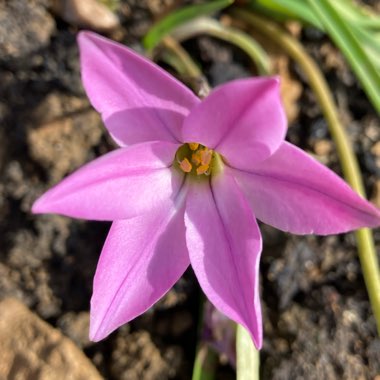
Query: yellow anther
(202, 169)
(206, 155)
(185, 165)
(193, 146)
(196, 158)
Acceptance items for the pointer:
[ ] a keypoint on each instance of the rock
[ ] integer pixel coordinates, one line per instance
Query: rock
(25, 28)
(90, 14)
(56, 105)
(61, 146)
(31, 349)
(62, 143)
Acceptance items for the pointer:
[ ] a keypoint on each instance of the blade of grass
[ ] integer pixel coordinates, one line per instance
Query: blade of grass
(205, 363)
(205, 25)
(366, 247)
(180, 60)
(345, 39)
(287, 9)
(347, 24)
(174, 19)
(370, 43)
(360, 16)
(295, 9)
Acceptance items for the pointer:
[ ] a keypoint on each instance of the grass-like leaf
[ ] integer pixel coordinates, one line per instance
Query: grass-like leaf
(206, 361)
(349, 43)
(350, 166)
(357, 14)
(176, 18)
(287, 9)
(354, 29)
(209, 26)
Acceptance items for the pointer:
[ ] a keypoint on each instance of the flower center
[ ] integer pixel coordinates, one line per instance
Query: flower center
(197, 159)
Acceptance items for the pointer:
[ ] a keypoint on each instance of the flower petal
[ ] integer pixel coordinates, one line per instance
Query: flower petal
(243, 120)
(224, 245)
(122, 184)
(138, 100)
(141, 260)
(293, 192)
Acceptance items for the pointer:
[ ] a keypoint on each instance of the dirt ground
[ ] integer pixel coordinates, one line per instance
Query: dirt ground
(317, 319)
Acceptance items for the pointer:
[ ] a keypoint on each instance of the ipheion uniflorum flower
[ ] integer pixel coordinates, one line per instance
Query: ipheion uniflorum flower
(187, 184)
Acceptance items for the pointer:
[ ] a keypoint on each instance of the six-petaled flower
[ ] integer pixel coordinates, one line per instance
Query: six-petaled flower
(187, 184)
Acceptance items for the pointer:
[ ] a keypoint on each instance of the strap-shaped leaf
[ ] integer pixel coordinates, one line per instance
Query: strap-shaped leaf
(287, 9)
(354, 29)
(344, 37)
(174, 19)
(360, 16)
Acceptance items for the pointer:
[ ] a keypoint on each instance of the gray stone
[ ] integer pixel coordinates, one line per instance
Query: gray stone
(25, 27)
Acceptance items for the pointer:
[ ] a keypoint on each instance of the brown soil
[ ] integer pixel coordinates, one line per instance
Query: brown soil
(318, 322)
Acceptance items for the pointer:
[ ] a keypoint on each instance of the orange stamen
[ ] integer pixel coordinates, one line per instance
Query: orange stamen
(185, 165)
(202, 169)
(193, 146)
(196, 158)
(206, 155)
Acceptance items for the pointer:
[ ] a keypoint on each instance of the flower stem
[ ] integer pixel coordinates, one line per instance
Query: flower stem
(206, 361)
(175, 55)
(350, 167)
(206, 25)
(247, 356)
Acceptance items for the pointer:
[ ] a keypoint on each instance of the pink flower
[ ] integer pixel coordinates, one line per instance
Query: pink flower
(187, 184)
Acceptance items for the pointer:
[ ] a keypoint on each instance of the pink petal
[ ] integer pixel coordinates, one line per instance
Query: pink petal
(224, 245)
(293, 192)
(141, 260)
(122, 184)
(138, 100)
(243, 120)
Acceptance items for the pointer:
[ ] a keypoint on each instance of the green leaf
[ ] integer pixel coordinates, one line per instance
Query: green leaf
(287, 9)
(301, 10)
(360, 16)
(176, 18)
(370, 42)
(205, 364)
(349, 43)
(353, 28)
(211, 27)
